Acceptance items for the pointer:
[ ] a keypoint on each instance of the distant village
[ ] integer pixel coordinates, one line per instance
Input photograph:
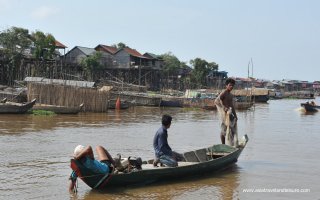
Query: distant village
(130, 59)
(127, 64)
(120, 66)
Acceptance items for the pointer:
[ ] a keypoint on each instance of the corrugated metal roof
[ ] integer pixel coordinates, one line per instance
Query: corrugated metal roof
(33, 79)
(87, 51)
(151, 55)
(85, 84)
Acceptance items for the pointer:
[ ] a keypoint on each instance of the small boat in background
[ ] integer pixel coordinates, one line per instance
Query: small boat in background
(310, 106)
(123, 104)
(243, 105)
(58, 109)
(7, 107)
(171, 102)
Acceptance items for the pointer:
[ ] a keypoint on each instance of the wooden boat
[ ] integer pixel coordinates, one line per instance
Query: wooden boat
(243, 105)
(309, 107)
(4, 100)
(206, 160)
(58, 109)
(137, 99)
(123, 104)
(204, 103)
(260, 98)
(237, 106)
(15, 108)
(171, 102)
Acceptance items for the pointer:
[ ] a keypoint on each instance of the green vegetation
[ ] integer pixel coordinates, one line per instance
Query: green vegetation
(197, 78)
(201, 69)
(44, 45)
(91, 65)
(120, 45)
(42, 113)
(16, 42)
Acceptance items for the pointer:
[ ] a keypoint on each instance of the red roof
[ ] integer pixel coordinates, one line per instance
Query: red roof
(108, 49)
(59, 45)
(134, 52)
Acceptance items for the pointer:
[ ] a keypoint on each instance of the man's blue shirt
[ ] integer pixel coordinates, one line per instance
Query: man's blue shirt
(160, 143)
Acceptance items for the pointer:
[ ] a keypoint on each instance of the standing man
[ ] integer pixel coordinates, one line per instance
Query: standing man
(163, 152)
(224, 103)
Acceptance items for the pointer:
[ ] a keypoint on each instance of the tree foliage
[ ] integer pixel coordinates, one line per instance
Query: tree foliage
(91, 64)
(15, 40)
(44, 45)
(201, 69)
(120, 45)
(18, 44)
(171, 64)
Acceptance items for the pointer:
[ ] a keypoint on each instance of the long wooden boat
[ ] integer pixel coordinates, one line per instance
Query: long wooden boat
(237, 106)
(171, 102)
(205, 103)
(260, 98)
(309, 107)
(206, 160)
(123, 104)
(243, 105)
(137, 99)
(58, 109)
(15, 108)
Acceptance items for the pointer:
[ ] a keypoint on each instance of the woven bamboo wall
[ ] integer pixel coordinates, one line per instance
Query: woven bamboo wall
(63, 95)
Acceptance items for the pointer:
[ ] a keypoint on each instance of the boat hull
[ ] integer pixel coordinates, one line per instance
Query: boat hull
(171, 103)
(123, 104)
(150, 176)
(310, 108)
(206, 160)
(16, 108)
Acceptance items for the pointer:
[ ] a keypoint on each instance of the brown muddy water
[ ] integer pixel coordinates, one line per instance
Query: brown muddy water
(280, 161)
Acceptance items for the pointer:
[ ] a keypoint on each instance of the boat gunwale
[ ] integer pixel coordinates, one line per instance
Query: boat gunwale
(162, 169)
(150, 175)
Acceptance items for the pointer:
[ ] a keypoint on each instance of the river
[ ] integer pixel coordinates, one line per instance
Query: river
(280, 161)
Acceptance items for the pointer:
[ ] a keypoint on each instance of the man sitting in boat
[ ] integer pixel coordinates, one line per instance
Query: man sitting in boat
(104, 164)
(163, 153)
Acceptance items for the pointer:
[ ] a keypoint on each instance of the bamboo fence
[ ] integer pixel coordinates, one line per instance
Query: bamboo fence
(94, 100)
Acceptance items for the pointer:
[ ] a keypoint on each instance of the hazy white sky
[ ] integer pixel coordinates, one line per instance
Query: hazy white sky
(282, 37)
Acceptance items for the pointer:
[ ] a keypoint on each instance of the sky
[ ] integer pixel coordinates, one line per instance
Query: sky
(274, 39)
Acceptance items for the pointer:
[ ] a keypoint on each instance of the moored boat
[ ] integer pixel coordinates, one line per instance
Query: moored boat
(15, 108)
(123, 104)
(237, 106)
(171, 102)
(205, 160)
(243, 105)
(137, 99)
(204, 103)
